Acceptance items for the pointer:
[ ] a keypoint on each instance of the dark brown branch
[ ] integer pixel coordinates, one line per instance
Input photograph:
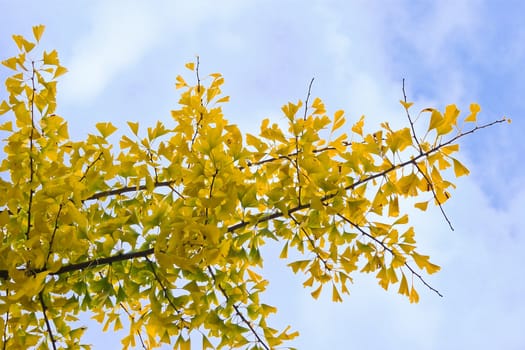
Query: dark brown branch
(238, 311)
(48, 324)
(4, 274)
(126, 189)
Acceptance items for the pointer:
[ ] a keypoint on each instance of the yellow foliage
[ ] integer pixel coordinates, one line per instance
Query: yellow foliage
(167, 228)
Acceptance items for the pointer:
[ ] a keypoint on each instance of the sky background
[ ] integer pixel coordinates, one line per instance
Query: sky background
(123, 57)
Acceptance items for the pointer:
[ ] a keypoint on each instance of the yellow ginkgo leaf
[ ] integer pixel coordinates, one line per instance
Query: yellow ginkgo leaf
(190, 66)
(38, 31)
(336, 297)
(10, 63)
(403, 286)
(413, 297)
(134, 127)
(51, 58)
(358, 126)
(474, 110)
(421, 205)
(4, 107)
(407, 105)
(106, 129)
(59, 71)
(317, 292)
(339, 120)
(459, 169)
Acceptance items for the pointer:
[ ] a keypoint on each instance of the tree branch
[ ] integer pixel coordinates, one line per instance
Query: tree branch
(440, 205)
(48, 325)
(237, 311)
(410, 120)
(164, 289)
(307, 98)
(54, 233)
(4, 274)
(132, 318)
(31, 161)
(382, 244)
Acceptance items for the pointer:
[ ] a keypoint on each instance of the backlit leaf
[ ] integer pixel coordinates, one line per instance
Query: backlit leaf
(339, 120)
(421, 205)
(413, 297)
(474, 110)
(406, 105)
(106, 128)
(315, 294)
(38, 31)
(134, 127)
(459, 169)
(4, 107)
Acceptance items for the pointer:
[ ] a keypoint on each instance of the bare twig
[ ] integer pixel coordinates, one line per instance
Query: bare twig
(410, 120)
(307, 98)
(201, 115)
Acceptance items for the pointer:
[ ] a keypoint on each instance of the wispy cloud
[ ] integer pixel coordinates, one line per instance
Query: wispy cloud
(120, 34)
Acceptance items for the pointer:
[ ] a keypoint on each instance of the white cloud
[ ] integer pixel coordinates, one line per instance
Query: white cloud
(120, 34)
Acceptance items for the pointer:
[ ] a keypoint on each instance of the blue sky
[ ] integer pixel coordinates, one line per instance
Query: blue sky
(123, 57)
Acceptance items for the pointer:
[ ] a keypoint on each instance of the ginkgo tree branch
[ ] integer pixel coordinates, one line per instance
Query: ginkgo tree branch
(55, 229)
(31, 146)
(410, 119)
(237, 310)
(60, 233)
(168, 183)
(90, 165)
(48, 324)
(384, 246)
(312, 243)
(161, 284)
(440, 205)
(132, 319)
(4, 274)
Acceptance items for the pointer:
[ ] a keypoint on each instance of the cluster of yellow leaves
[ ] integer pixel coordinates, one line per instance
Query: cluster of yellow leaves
(166, 230)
